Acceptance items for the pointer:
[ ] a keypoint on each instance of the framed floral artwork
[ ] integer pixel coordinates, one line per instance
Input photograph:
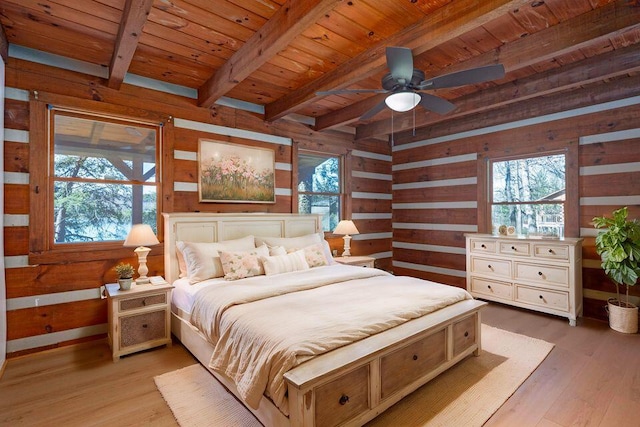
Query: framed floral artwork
(232, 173)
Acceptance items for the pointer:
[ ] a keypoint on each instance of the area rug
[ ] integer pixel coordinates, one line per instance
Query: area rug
(465, 395)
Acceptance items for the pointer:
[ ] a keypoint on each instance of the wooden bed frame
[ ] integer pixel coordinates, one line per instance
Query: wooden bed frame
(352, 384)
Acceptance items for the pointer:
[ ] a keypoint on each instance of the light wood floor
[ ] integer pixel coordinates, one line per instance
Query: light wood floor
(591, 378)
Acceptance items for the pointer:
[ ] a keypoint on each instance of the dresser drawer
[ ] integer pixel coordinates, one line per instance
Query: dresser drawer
(542, 274)
(494, 267)
(405, 365)
(482, 246)
(492, 288)
(143, 327)
(343, 398)
(515, 248)
(464, 334)
(143, 301)
(555, 300)
(559, 252)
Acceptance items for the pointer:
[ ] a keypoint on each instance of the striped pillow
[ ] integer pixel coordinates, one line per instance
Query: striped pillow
(294, 261)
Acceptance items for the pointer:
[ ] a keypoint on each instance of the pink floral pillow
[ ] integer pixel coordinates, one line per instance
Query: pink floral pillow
(242, 264)
(314, 255)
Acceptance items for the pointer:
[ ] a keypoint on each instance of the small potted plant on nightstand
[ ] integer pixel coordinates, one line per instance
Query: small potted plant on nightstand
(619, 248)
(124, 271)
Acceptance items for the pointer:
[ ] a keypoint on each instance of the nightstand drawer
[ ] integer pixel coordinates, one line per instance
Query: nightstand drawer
(141, 328)
(144, 301)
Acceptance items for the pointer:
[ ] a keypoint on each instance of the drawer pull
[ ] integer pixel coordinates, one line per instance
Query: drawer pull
(144, 302)
(466, 334)
(539, 273)
(483, 246)
(144, 325)
(415, 357)
(489, 267)
(488, 286)
(343, 399)
(541, 297)
(513, 248)
(551, 251)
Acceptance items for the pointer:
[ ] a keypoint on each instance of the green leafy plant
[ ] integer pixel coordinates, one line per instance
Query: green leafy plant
(124, 270)
(619, 249)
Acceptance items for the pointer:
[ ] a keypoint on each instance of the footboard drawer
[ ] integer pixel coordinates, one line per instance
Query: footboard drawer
(464, 334)
(409, 363)
(343, 398)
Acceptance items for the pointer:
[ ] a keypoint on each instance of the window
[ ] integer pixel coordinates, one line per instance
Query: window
(103, 176)
(529, 195)
(320, 187)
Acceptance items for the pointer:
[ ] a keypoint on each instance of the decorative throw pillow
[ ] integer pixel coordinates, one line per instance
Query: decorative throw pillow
(290, 243)
(295, 261)
(277, 250)
(242, 264)
(203, 259)
(314, 255)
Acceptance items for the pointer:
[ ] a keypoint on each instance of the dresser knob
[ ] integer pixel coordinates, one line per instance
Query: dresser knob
(415, 357)
(466, 334)
(488, 286)
(343, 399)
(144, 325)
(483, 246)
(550, 251)
(539, 273)
(541, 297)
(489, 267)
(513, 248)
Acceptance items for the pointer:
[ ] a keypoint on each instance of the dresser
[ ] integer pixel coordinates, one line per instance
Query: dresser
(139, 318)
(538, 274)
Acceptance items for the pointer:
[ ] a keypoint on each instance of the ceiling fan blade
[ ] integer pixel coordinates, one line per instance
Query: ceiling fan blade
(400, 63)
(375, 110)
(356, 91)
(436, 104)
(460, 78)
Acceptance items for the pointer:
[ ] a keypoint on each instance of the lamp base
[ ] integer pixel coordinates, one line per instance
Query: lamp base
(142, 253)
(347, 245)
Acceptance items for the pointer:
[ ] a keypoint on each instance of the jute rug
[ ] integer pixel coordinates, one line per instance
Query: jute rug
(465, 395)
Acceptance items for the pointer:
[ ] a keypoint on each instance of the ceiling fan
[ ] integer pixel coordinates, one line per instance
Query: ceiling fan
(406, 84)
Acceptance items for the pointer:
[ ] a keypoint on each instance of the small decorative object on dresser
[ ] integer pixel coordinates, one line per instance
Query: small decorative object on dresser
(138, 319)
(537, 274)
(360, 261)
(124, 272)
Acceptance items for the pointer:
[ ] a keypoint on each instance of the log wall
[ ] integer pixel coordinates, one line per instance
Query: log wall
(52, 303)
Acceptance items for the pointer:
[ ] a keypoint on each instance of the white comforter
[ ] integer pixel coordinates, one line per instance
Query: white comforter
(258, 337)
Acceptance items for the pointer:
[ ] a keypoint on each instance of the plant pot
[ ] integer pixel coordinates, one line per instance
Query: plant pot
(125, 284)
(622, 319)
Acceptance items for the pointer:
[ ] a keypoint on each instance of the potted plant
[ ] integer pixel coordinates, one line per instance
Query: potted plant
(124, 271)
(619, 248)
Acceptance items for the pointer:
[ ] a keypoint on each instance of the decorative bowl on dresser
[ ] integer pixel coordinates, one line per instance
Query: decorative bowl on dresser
(538, 274)
(139, 318)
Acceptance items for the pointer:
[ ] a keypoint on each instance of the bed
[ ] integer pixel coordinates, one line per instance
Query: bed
(346, 379)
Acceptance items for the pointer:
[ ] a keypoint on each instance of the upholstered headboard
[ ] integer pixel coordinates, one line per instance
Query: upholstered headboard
(211, 227)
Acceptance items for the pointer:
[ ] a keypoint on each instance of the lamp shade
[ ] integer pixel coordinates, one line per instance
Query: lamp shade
(346, 227)
(141, 235)
(402, 101)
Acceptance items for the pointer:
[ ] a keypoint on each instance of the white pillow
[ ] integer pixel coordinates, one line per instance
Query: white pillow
(276, 250)
(298, 242)
(203, 259)
(242, 264)
(295, 261)
(314, 254)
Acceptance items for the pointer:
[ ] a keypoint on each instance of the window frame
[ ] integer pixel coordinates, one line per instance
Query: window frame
(344, 201)
(572, 201)
(42, 249)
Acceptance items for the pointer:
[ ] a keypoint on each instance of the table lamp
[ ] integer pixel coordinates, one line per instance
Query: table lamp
(346, 227)
(141, 236)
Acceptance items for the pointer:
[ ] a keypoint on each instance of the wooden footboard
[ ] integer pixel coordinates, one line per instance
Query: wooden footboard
(353, 384)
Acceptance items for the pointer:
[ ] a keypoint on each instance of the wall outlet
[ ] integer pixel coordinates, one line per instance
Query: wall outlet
(103, 292)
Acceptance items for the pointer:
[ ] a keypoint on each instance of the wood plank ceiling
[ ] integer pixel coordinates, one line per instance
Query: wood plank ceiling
(278, 54)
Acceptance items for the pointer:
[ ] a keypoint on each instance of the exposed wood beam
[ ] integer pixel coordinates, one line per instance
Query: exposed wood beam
(568, 100)
(4, 45)
(585, 29)
(291, 19)
(134, 16)
(446, 23)
(519, 54)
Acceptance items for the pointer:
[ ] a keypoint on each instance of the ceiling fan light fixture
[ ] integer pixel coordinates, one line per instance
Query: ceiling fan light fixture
(402, 101)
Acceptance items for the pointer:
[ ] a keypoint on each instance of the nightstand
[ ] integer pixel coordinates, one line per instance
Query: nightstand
(360, 261)
(139, 318)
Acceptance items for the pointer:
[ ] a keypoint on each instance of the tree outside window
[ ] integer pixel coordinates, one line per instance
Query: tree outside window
(529, 194)
(103, 175)
(319, 187)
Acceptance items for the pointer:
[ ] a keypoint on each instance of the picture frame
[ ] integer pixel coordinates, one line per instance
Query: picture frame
(233, 173)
